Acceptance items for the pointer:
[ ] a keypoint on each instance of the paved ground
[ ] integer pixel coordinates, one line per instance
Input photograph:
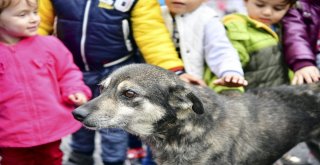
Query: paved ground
(301, 151)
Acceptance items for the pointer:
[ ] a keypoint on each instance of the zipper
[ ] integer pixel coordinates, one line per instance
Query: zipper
(126, 31)
(84, 35)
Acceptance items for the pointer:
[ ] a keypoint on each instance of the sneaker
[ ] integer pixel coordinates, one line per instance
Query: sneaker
(288, 159)
(136, 153)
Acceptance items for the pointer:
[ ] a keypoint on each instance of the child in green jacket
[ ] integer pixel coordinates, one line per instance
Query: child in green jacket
(255, 37)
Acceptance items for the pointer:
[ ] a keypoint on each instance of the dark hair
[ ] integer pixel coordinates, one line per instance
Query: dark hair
(290, 2)
(7, 3)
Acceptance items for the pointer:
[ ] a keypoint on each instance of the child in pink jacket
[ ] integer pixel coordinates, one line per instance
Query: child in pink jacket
(39, 86)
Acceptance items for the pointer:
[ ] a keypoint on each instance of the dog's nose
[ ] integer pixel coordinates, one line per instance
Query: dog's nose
(80, 114)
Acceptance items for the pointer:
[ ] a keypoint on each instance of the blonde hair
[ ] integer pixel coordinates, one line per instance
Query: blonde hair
(7, 3)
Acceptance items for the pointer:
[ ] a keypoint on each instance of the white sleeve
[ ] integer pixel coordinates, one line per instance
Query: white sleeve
(220, 55)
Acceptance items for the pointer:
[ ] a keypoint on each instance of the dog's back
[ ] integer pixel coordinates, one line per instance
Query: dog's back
(187, 124)
(255, 128)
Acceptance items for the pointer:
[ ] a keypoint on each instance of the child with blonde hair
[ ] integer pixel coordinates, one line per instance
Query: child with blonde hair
(40, 86)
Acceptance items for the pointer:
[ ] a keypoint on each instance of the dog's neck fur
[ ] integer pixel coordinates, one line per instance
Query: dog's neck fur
(184, 131)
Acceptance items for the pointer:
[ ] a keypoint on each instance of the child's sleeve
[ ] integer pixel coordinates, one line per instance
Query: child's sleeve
(220, 55)
(236, 32)
(47, 16)
(238, 35)
(69, 76)
(297, 50)
(152, 36)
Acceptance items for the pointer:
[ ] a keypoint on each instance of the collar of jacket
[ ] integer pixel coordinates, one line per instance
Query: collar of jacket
(252, 22)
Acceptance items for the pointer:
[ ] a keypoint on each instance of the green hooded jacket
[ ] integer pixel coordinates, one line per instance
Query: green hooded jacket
(259, 51)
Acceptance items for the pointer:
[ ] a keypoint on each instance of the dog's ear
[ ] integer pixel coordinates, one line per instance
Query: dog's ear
(182, 98)
(197, 106)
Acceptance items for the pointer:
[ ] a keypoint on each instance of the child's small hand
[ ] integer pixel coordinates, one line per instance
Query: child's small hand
(308, 74)
(231, 81)
(78, 98)
(192, 80)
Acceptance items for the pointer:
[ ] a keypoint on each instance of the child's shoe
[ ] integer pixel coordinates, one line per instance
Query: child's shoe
(136, 153)
(135, 156)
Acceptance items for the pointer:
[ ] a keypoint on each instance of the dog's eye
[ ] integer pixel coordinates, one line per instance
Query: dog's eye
(129, 94)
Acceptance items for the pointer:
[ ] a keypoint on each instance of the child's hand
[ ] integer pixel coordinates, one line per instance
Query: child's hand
(78, 98)
(231, 81)
(192, 80)
(308, 74)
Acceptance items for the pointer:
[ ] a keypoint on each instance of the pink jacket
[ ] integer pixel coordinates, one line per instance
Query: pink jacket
(36, 76)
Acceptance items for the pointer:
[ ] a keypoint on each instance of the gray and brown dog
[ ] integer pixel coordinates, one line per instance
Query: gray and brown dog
(186, 124)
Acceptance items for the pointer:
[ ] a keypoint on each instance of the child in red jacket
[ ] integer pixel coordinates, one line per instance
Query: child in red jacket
(39, 86)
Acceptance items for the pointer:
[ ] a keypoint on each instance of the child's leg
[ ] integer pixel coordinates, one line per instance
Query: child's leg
(48, 154)
(114, 145)
(136, 152)
(21, 156)
(148, 160)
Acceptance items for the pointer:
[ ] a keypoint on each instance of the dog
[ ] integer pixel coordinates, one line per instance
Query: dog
(187, 124)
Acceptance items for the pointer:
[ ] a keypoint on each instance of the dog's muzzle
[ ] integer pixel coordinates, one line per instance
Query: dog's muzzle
(80, 113)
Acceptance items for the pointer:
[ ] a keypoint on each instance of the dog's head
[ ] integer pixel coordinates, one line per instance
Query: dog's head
(138, 97)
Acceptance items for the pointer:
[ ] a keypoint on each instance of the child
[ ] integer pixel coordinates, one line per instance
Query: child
(200, 36)
(104, 35)
(301, 31)
(301, 28)
(40, 85)
(254, 36)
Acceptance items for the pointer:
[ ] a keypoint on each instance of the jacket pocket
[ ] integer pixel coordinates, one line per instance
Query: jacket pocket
(44, 70)
(44, 67)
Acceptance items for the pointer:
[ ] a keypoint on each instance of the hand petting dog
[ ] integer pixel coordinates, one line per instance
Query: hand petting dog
(231, 81)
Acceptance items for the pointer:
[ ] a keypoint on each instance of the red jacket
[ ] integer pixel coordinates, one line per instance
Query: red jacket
(36, 76)
(301, 27)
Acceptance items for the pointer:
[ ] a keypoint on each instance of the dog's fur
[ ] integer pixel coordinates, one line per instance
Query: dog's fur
(186, 124)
